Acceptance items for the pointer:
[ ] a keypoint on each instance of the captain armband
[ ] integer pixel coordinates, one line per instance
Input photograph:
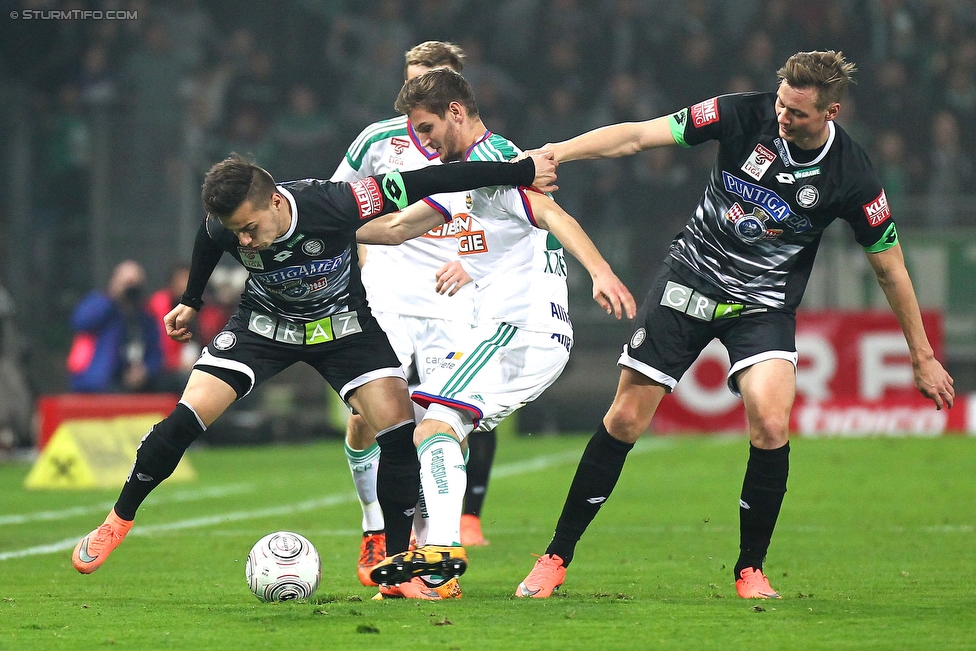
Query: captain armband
(888, 240)
(394, 189)
(677, 122)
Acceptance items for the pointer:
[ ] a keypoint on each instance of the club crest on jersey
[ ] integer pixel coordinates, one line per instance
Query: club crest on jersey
(705, 112)
(468, 201)
(877, 211)
(313, 247)
(808, 196)
(638, 338)
(758, 162)
(224, 340)
(752, 227)
(250, 258)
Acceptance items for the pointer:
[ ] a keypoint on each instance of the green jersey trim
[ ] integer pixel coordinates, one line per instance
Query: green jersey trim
(477, 360)
(371, 135)
(677, 122)
(888, 240)
(494, 148)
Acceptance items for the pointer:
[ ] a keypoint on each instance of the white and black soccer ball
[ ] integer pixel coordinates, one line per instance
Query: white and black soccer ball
(283, 566)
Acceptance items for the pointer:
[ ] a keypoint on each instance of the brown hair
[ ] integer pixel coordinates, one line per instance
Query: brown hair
(231, 182)
(827, 72)
(434, 54)
(434, 91)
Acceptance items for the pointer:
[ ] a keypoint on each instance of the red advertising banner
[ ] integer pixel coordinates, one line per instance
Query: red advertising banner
(854, 377)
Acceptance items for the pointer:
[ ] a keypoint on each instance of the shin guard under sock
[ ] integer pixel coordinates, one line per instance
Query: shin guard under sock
(157, 457)
(762, 496)
(398, 484)
(481, 455)
(597, 474)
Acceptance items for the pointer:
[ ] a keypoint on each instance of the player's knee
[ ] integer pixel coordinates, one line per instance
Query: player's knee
(625, 423)
(769, 430)
(359, 436)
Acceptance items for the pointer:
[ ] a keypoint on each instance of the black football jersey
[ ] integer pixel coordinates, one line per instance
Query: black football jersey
(755, 233)
(312, 271)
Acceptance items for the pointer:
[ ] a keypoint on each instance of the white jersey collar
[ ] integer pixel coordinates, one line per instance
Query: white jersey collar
(294, 214)
(823, 152)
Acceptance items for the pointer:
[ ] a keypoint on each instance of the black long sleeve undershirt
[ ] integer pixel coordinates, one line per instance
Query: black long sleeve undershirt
(456, 177)
(206, 255)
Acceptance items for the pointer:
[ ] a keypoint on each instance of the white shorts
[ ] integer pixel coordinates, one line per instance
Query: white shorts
(495, 370)
(422, 344)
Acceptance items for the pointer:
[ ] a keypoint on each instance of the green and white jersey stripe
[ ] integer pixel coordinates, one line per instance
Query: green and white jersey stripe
(400, 279)
(477, 359)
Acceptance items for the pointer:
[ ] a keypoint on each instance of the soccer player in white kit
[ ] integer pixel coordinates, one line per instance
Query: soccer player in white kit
(511, 243)
(417, 293)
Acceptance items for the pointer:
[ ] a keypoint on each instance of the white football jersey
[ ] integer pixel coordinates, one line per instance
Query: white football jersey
(519, 269)
(401, 279)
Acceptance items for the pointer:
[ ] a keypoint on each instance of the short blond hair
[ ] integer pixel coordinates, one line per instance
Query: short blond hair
(827, 72)
(434, 54)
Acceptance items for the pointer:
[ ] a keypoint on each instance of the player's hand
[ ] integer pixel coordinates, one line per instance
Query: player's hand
(613, 296)
(932, 380)
(451, 277)
(177, 323)
(545, 171)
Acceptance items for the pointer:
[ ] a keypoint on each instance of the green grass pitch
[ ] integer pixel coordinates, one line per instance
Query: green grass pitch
(874, 550)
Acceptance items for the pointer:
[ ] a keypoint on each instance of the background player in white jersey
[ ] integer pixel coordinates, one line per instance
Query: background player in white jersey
(511, 243)
(416, 291)
(784, 171)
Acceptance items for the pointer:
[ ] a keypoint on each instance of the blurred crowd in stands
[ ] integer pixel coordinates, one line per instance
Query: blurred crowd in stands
(293, 82)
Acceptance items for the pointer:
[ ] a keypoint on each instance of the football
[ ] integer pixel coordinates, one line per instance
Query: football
(283, 566)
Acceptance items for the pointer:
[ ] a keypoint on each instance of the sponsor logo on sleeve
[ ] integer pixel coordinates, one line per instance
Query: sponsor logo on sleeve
(368, 197)
(705, 112)
(877, 211)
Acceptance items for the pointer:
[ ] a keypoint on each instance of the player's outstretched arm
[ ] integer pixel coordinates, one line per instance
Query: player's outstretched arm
(398, 227)
(931, 378)
(613, 141)
(404, 188)
(608, 291)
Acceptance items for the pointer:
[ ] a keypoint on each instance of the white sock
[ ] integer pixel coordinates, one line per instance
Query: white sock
(421, 520)
(444, 479)
(363, 465)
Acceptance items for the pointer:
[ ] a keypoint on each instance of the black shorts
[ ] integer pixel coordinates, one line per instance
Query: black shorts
(348, 350)
(667, 341)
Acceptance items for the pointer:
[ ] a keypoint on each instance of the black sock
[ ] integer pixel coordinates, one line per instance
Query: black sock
(481, 454)
(398, 484)
(157, 457)
(762, 495)
(597, 474)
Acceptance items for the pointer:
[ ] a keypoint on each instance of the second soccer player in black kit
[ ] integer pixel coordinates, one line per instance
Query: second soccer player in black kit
(303, 301)
(783, 173)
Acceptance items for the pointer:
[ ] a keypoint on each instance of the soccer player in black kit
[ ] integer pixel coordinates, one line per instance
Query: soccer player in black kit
(784, 171)
(303, 301)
